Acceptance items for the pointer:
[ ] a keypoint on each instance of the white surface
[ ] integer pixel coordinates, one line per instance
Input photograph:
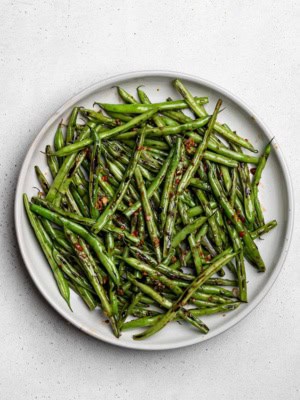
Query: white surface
(51, 50)
(275, 189)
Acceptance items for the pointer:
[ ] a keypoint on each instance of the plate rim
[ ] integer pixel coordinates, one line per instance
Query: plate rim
(18, 204)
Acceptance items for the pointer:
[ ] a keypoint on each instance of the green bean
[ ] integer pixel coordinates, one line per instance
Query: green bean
(222, 150)
(212, 222)
(167, 130)
(247, 194)
(200, 112)
(84, 210)
(195, 248)
(255, 182)
(85, 294)
(125, 96)
(172, 208)
(84, 256)
(152, 273)
(151, 320)
(221, 225)
(154, 185)
(164, 302)
(79, 230)
(192, 168)
(42, 180)
(93, 177)
(184, 298)
(196, 182)
(52, 162)
(187, 230)
(119, 194)
(168, 304)
(53, 234)
(240, 266)
(44, 242)
(71, 126)
(99, 117)
(157, 119)
(148, 214)
(119, 117)
(224, 171)
(221, 282)
(195, 211)
(141, 227)
(250, 249)
(70, 271)
(167, 190)
(142, 108)
(135, 300)
(65, 168)
(263, 229)
(114, 302)
(59, 141)
(201, 233)
(233, 187)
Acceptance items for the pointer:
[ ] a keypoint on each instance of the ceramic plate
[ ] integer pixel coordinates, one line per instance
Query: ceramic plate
(275, 193)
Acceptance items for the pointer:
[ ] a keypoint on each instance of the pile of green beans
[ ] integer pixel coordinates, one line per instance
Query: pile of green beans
(150, 213)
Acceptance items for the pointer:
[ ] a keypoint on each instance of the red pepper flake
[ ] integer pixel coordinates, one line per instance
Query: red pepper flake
(88, 152)
(105, 280)
(104, 200)
(104, 178)
(177, 181)
(139, 148)
(135, 233)
(253, 170)
(243, 219)
(242, 234)
(208, 257)
(156, 242)
(189, 144)
(173, 259)
(120, 292)
(78, 247)
(148, 218)
(99, 204)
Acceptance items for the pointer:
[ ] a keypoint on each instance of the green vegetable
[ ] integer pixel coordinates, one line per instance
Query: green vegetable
(149, 210)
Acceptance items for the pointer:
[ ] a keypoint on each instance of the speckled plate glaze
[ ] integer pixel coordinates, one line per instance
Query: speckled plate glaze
(275, 192)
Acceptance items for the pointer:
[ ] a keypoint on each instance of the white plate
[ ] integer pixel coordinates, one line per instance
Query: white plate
(275, 192)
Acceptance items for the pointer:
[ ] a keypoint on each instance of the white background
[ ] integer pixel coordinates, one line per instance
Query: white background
(50, 50)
